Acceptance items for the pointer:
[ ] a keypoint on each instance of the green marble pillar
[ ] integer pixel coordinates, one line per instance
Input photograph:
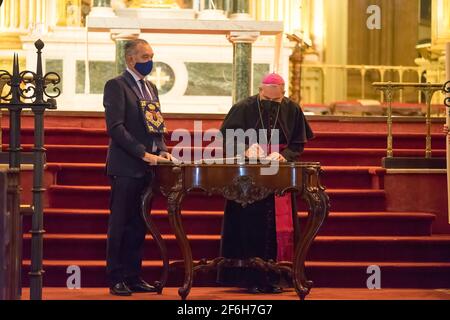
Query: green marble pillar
(101, 3)
(120, 40)
(241, 6)
(242, 71)
(120, 56)
(240, 10)
(218, 3)
(102, 8)
(228, 5)
(242, 63)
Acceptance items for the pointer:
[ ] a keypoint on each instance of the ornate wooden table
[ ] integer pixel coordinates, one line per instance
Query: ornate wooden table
(245, 185)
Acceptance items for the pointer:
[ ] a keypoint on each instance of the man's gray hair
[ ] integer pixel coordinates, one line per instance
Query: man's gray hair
(130, 46)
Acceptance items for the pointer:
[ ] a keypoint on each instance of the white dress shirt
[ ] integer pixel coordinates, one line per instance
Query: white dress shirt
(137, 78)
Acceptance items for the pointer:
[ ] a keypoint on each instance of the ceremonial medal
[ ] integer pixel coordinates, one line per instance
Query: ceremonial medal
(154, 121)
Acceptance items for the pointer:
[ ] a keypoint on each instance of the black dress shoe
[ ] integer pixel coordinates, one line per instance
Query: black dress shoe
(273, 289)
(255, 290)
(120, 289)
(141, 287)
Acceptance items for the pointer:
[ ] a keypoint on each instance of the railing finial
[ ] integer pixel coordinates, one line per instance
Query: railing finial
(446, 90)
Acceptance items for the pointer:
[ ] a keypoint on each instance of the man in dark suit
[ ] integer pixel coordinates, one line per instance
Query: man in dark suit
(136, 144)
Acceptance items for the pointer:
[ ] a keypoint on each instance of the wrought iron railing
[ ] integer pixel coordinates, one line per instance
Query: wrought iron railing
(447, 92)
(28, 90)
(428, 89)
(383, 74)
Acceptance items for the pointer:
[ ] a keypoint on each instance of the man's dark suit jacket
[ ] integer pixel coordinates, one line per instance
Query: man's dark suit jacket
(125, 125)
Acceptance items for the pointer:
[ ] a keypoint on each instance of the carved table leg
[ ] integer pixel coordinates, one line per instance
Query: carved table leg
(318, 208)
(308, 226)
(295, 219)
(174, 199)
(174, 204)
(146, 214)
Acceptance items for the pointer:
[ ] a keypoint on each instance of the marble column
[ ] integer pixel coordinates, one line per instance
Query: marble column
(212, 10)
(337, 48)
(102, 8)
(227, 5)
(217, 3)
(121, 37)
(101, 3)
(240, 10)
(72, 13)
(9, 26)
(242, 63)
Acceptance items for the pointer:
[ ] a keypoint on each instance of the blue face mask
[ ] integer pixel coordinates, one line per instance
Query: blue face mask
(144, 68)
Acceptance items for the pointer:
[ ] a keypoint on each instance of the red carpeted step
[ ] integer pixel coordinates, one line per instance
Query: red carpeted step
(93, 174)
(86, 197)
(93, 246)
(393, 274)
(324, 274)
(98, 136)
(374, 140)
(60, 119)
(350, 140)
(355, 177)
(74, 153)
(72, 221)
(378, 224)
(326, 156)
(63, 136)
(418, 249)
(87, 174)
(350, 200)
(324, 248)
(359, 157)
(60, 221)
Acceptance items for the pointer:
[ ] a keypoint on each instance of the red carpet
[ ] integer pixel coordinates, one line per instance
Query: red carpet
(233, 294)
(359, 232)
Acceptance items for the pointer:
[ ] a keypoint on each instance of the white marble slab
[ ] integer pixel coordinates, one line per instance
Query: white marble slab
(72, 45)
(147, 13)
(183, 26)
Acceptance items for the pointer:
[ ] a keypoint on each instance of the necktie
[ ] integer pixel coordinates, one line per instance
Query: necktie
(145, 93)
(147, 97)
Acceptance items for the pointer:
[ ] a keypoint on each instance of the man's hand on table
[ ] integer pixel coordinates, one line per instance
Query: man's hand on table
(255, 151)
(169, 157)
(152, 159)
(275, 156)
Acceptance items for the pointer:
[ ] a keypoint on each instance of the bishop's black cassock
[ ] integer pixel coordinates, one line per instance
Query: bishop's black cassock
(251, 231)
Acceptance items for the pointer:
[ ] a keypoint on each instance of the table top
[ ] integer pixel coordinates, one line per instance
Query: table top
(239, 165)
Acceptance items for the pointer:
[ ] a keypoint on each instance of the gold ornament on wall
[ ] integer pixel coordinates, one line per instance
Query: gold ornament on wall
(440, 23)
(69, 13)
(170, 4)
